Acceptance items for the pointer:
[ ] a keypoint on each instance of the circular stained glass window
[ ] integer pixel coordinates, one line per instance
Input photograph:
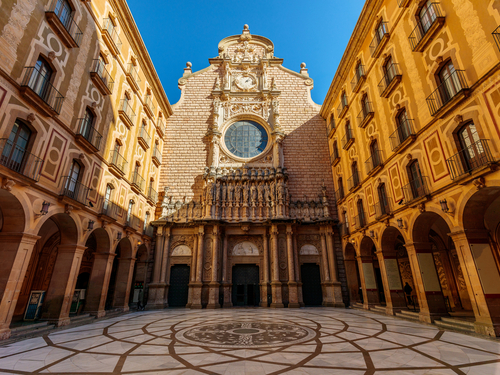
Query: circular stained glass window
(246, 139)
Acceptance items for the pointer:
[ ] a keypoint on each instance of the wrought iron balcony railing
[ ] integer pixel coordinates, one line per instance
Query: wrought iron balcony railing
(138, 181)
(110, 28)
(470, 158)
(160, 125)
(496, 36)
(20, 160)
(331, 125)
(66, 19)
(118, 161)
(144, 136)
(392, 73)
(344, 103)
(374, 161)
(133, 73)
(359, 75)
(381, 33)
(353, 181)
(366, 113)
(149, 102)
(157, 153)
(126, 109)
(401, 134)
(417, 188)
(339, 194)
(110, 209)
(383, 208)
(75, 190)
(425, 25)
(42, 87)
(334, 156)
(347, 138)
(360, 220)
(100, 71)
(344, 229)
(450, 88)
(152, 195)
(89, 132)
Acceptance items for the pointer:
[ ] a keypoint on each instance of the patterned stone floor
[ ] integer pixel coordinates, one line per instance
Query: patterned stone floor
(253, 341)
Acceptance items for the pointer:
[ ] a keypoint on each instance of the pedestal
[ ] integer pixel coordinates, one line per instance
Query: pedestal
(196, 295)
(226, 288)
(276, 292)
(213, 295)
(156, 296)
(293, 295)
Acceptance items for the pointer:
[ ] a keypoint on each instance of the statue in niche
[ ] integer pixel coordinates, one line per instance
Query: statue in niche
(253, 193)
(305, 210)
(237, 192)
(281, 190)
(245, 192)
(210, 192)
(260, 191)
(217, 191)
(267, 193)
(224, 191)
(230, 190)
(273, 190)
(276, 107)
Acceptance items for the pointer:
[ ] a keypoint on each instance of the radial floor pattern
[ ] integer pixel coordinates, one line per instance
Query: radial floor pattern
(253, 341)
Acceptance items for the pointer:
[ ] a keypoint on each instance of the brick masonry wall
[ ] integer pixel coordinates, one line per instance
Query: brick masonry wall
(305, 149)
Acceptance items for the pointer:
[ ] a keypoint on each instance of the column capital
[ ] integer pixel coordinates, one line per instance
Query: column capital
(419, 247)
(201, 230)
(71, 249)
(274, 230)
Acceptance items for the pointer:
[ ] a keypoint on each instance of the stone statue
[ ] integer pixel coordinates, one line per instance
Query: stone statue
(260, 190)
(273, 190)
(281, 191)
(224, 191)
(237, 192)
(245, 193)
(217, 191)
(230, 190)
(253, 193)
(267, 193)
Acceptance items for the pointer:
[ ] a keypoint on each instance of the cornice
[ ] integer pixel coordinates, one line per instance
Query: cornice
(362, 28)
(135, 39)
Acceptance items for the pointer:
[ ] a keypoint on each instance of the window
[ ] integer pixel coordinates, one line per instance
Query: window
(388, 70)
(359, 71)
(335, 150)
(344, 99)
(381, 31)
(64, 12)
(361, 213)
(374, 154)
(341, 189)
(87, 124)
(16, 146)
(416, 180)
(129, 210)
(118, 146)
(346, 221)
(246, 139)
(348, 130)
(136, 168)
(40, 78)
(470, 143)
(355, 176)
(427, 16)
(107, 196)
(365, 106)
(72, 183)
(450, 84)
(146, 221)
(382, 199)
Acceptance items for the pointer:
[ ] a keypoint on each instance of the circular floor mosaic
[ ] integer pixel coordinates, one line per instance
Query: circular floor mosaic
(245, 335)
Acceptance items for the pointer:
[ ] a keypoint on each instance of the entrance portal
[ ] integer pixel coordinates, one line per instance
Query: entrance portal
(311, 284)
(179, 288)
(246, 285)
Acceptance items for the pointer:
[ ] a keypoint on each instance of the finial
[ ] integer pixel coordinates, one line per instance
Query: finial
(245, 27)
(188, 64)
(303, 65)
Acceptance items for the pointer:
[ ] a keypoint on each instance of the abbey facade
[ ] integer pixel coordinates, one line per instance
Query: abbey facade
(248, 215)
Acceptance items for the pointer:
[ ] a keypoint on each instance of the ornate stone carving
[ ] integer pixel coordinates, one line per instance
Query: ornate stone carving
(245, 249)
(181, 250)
(308, 250)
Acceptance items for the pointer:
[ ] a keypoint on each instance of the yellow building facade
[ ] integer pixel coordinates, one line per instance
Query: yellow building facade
(82, 122)
(413, 123)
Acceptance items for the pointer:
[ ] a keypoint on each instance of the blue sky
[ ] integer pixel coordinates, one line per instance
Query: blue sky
(315, 32)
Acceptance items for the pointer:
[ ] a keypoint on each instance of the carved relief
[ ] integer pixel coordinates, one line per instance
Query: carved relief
(309, 250)
(181, 250)
(246, 249)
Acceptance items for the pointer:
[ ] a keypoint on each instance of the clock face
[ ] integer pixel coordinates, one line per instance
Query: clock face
(245, 82)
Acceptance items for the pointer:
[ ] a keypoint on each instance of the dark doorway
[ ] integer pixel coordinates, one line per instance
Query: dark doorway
(246, 285)
(380, 285)
(311, 284)
(179, 285)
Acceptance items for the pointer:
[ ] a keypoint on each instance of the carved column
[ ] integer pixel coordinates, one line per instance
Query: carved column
(213, 294)
(198, 284)
(275, 284)
(16, 251)
(157, 288)
(165, 264)
(297, 270)
(264, 290)
(293, 294)
(337, 287)
(226, 286)
(192, 271)
(59, 295)
(327, 283)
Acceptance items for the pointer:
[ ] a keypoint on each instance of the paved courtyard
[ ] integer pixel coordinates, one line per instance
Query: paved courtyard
(253, 341)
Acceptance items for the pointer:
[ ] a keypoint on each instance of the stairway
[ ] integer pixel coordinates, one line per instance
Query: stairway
(378, 309)
(29, 330)
(409, 315)
(81, 319)
(456, 324)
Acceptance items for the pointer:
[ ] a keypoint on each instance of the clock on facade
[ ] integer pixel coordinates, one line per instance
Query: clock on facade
(246, 82)
(246, 139)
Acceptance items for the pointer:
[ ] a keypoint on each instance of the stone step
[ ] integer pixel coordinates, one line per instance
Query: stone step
(456, 325)
(458, 322)
(357, 305)
(408, 315)
(82, 319)
(463, 314)
(379, 309)
(28, 327)
(32, 332)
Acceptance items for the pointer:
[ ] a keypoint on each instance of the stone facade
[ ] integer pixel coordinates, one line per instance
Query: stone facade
(82, 124)
(257, 210)
(412, 122)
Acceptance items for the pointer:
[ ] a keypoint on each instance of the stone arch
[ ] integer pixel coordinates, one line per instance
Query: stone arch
(245, 248)
(12, 214)
(181, 250)
(308, 249)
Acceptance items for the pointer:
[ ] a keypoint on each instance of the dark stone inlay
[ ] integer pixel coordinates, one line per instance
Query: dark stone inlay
(246, 331)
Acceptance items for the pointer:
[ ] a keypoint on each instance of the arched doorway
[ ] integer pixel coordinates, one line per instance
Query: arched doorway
(398, 271)
(140, 279)
(372, 277)
(352, 274)
(47, 291)
(443, 281)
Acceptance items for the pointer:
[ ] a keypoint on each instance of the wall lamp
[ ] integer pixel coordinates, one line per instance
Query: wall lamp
(444, 205)
(119, 236)
(45, 208)
(401, 223)
(373, 234)
(90, 225)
